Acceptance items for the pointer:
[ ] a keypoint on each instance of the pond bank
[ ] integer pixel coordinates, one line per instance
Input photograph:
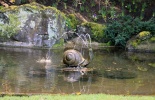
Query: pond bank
(95, 45)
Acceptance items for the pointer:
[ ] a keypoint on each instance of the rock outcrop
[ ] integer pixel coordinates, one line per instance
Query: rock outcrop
(31, 25)
(143, 42)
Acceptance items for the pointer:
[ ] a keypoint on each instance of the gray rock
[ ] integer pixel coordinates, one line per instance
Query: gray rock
(39, 25)
(141, 43)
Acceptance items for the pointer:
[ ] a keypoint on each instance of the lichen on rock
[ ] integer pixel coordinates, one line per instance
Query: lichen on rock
(39, 25)
(143, 42)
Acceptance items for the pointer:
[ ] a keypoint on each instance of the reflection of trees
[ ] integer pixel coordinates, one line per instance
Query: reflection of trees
(22, 74)
(141, 61)
(2, 64)
(6, 62)
(45, 72)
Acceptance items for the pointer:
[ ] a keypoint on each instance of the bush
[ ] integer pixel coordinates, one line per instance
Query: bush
(71, 21)
(9, 29)
(120, 31)
(97, 30)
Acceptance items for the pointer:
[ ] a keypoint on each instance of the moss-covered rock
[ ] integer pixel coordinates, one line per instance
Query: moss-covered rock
(143, 42)
(144, 35)
(97, 30)
(34, 24)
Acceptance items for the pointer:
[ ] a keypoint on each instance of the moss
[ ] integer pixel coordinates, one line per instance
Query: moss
(141, 68)
(152, 39)
(152, 64)
(141, 37)
(144, 35)
(135, 43)
(59, 44)
(7, 30)
(71, 21)
(97, 30)
(34, 6)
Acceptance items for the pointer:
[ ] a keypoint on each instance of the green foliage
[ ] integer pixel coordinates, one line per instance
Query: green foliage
(97, 30)
(144, 34)
(140, 37)
(136, 8)
(152, 64)
(9, 29)
(152, 39)
(59, 44)
(1, 7)
(77, 96)
(108, 12)
(71, 21)
(120, 31)
(135, 43)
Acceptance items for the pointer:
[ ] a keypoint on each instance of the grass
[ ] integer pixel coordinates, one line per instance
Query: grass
(79, 97)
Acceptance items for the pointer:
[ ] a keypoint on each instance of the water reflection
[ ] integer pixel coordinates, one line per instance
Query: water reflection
(28, 71)
(72, 76)
(80, 82)
(119, 74)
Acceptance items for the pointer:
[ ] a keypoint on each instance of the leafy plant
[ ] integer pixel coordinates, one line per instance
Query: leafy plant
(120, 31)
(9, 29)
(71, 21)
(97, 30)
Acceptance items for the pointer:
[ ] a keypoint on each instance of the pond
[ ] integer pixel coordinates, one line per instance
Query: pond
(27, 71)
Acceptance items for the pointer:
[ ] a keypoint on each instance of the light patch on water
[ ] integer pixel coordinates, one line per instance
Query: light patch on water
(43, 60)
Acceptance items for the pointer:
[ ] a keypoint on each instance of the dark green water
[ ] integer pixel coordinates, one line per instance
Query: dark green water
(26, 71)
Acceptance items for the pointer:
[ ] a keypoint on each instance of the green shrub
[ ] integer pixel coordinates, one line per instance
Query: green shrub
(71, 21)
(97, 30)
(9, 29)
(120, 31)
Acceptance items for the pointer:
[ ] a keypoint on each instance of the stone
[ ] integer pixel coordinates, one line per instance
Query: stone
(37, 24)
(143, 42)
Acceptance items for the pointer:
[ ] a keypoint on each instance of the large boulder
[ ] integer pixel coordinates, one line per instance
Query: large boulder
(31, 25)
(143, 42)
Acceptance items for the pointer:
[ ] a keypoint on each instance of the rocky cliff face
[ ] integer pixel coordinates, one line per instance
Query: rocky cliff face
(31, 25)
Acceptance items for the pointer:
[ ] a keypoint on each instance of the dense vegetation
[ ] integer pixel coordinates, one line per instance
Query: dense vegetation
(98, 10)
(120, 31)
(112, 21)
